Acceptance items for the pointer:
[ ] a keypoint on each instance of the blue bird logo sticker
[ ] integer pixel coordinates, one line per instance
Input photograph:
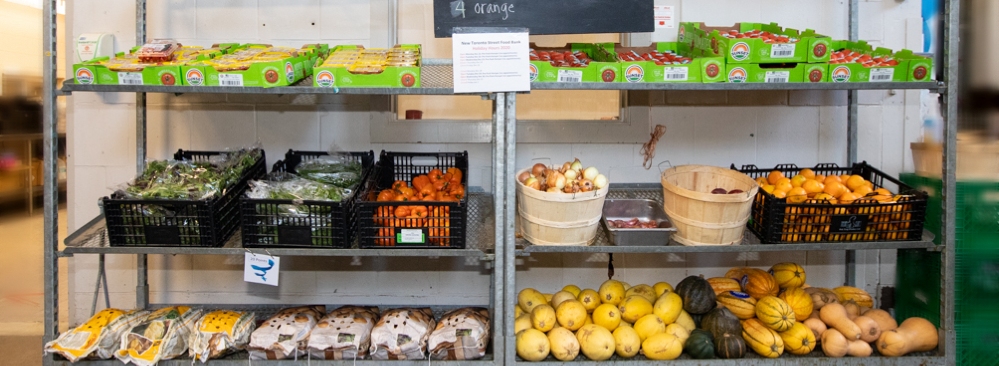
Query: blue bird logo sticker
(262, 271)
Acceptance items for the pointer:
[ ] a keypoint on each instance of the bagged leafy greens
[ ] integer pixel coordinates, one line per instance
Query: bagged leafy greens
(172, 179)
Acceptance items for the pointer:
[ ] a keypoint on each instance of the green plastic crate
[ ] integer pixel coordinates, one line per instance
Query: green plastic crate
(977, 335)
(917, 285)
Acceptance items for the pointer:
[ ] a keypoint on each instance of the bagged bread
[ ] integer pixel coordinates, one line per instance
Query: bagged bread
(161, 335)
(219, 333)
(462, 334)
(99, 337)
(344, 334)
(401, 334)
(285, 334)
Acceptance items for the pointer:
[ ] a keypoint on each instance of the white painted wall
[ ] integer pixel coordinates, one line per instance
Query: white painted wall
(705, 128)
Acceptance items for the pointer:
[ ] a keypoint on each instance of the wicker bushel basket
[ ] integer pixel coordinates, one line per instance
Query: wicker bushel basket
(703, 218)
(559, 218)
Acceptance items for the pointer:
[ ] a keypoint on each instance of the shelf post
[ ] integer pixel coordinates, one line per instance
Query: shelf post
(851, 133)
(951, 52)
(142, 283)
(509, 242)
(50, 143)
(499, 209)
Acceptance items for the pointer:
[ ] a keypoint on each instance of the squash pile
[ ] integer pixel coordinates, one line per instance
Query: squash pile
(768, 312)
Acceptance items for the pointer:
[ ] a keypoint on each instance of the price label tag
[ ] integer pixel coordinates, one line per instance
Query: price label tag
(490, 62)
(259, 268)
(882, 75)
(783, 50)
(570, 76)
(130, 78)
(230, 79)
(777, 77)
(675, 73)
(410, 236)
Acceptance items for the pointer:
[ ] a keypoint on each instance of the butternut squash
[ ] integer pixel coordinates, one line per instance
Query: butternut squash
(816, 325)
(869, 329)
(852, 309)
(834, 315)
(821, 297)
(856, 294)
(859, 349)
(913, 335)
(834, 344)
(884, 320)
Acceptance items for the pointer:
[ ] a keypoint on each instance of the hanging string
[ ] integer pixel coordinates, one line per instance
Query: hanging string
(649, 149)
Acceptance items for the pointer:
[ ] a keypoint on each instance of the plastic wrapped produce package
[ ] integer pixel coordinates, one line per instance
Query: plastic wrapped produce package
(401, 334)
(99, 337)
(461, 334)
(344, 334)
(219, 333)
(286, 334)
(161, 335)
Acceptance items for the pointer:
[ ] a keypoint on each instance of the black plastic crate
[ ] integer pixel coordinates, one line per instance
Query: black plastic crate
(192, 223)
(776, 221)
(328, 225)
(445, 224)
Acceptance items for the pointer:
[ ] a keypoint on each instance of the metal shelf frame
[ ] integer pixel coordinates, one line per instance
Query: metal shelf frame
(503, 284)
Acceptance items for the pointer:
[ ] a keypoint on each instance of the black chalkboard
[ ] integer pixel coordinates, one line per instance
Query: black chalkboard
(545, 16)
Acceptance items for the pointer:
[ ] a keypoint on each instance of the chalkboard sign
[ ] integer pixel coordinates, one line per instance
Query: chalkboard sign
(545, 16)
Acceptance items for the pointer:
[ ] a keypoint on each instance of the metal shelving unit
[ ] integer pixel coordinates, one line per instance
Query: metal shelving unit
(506, 246)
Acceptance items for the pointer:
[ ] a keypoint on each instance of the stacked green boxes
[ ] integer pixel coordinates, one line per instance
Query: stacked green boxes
(602, 68)
(390, 77)
(976, 268)
(283, 72)
(699, 70)
(911, 67)
(97, 72)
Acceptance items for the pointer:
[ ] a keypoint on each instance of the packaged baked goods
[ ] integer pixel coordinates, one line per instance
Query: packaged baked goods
(344, 334)
(401, 334)
(98, 337)
(461, 334)
(286, 334)
(160, 335)
(219, 333)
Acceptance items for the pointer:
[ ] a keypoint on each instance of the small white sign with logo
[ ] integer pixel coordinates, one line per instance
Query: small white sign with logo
(882, 75)
(777, 77)
(130, 78)
(491, 62)
(259, 268)
(663, 15)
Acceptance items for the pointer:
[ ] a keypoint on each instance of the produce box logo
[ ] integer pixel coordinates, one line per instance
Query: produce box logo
(920, 72)
(534, 72)
(841, 74)
(271, 75)
(820, 50)
(289, 72)
(84, 76)
(737, 75)
(168, 78)
(194, 77)
(407, 80)
(815, 75)
(325, 79)
(740, 51)
(712, 70)
(634, 73)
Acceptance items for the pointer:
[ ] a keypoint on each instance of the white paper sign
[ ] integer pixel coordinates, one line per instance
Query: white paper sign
(663, 16)
(259, 268)
(491, 62)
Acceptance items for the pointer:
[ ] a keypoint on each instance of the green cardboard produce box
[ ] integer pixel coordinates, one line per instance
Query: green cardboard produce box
(265, 74)
(600, 69)
(773, 73)
(92, 72)
(810, 47)
(910, 67)
(391, 77)
(699, 70)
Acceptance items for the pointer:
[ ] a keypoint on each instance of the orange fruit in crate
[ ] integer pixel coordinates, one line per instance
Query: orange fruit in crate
(835, 189)
(780, 194)
(831, 179)
(855, 181)
(783, 185)
(775, 176)
(798, 180)
(847, 197)
(797, 195)
(844, 177)
(807, 173)
(862, 191)
(762, 181)
(883, 195)
(826, 197)
(812, 187)
(820, 178)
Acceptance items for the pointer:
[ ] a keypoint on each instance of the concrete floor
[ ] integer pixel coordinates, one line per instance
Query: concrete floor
(22, 285)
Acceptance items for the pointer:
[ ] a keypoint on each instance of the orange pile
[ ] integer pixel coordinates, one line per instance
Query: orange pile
(435, 186)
